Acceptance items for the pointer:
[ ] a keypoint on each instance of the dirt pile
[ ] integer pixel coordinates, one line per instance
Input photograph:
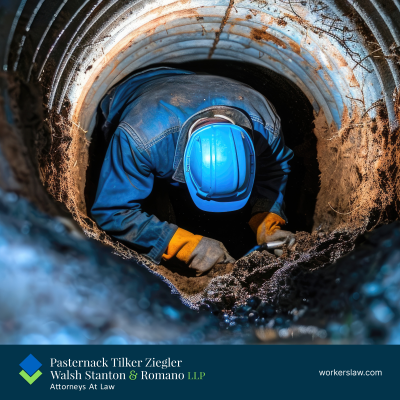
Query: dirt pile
(261, 274)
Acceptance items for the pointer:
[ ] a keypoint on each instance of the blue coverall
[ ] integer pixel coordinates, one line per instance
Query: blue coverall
(148, 111)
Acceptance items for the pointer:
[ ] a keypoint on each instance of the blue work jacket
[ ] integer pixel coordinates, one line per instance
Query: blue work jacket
(145, 113)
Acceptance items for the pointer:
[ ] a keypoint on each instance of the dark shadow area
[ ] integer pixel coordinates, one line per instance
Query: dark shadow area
(232, 228)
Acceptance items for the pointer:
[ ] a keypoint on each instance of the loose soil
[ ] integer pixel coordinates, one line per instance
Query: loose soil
(261, 274)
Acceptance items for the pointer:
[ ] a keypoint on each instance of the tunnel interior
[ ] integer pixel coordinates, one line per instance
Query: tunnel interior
(313, 60)
(232, 228)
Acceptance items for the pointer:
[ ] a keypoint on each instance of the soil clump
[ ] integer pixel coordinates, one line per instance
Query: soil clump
(261, 274)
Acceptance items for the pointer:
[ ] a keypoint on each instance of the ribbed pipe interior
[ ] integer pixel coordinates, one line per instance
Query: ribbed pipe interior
(78, 50)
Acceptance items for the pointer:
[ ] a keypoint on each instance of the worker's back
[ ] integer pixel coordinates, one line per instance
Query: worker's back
(157, 103)
(149, 117)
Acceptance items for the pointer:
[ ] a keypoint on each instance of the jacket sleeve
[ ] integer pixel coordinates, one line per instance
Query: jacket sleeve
(272, 170)
(126, 179)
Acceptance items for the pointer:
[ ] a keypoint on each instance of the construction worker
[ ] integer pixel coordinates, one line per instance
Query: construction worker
(218, 137)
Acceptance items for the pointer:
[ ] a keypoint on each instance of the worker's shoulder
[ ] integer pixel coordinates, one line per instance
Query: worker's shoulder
(152, 135)
(204, 78)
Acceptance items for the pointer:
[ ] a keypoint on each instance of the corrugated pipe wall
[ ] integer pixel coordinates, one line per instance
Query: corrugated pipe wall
(341, 53)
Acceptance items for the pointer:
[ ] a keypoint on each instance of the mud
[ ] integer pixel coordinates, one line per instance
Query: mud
(261, 274)
(185, 280)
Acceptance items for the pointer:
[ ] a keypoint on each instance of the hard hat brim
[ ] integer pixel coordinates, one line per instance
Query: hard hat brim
(237, 116)
(212, 205)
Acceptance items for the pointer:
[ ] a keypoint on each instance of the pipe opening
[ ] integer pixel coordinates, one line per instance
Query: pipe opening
(175, 204)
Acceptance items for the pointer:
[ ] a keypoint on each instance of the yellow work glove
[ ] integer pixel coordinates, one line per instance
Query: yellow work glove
(201, 253)
(267, 226)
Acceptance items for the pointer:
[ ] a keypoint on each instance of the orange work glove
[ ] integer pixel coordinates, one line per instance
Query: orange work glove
(182, 245)
(201, 253)
(265, 225)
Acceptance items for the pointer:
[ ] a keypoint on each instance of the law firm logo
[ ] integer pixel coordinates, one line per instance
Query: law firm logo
(30, 369)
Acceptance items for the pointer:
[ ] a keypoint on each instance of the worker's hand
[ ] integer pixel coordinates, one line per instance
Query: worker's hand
(268, 228)
(278, 235)
(208, 253)
(199, 252)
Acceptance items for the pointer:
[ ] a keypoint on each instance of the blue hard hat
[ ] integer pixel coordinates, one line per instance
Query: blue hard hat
(220, 165)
